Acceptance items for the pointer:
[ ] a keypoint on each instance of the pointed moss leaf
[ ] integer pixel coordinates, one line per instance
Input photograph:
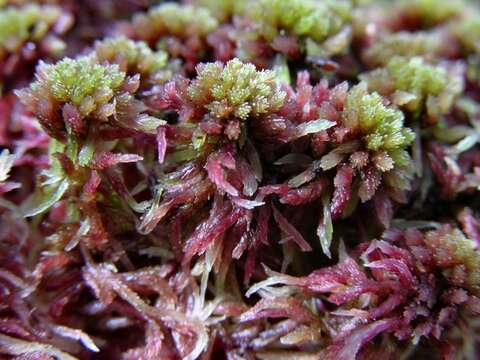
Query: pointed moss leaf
(86, 153)
(281, 69)
(325, 227)
(45, 198)
(313, 127)
(82, 231)
(6, 163)
(466, 143)
(149, 124)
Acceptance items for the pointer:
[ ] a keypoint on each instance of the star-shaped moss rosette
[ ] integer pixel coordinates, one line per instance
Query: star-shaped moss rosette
(214, 110)
(235, 90)
(417, 86)
(23, 24)
(379, 144)
(457, 256)
(216, 107)
(411, 15)
(77, 97)
(87, 108)
(359, 149)
(134, 57)
(72, 95)
(296, 27)
(357, 135)
(219, 103)
(181, 30)
(28, 32)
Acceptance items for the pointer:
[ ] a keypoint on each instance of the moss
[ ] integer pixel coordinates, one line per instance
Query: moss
(467, 30)
(6, 164)
(175, 20)
(235, 90)
(405, 44)
(133, 57)
(381, 127)
(374, 146)
(223, 9)
(432, 12)
(416, 77)
(415, 85)
(456, 254)
(28, 23)
(305, 18)
(69, 94)
(72, 81)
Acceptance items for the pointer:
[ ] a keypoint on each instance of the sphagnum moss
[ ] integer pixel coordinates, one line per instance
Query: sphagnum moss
(312, 27)
(416, 85)
(132, 57)
(81, 88)
(261, 179)
(236, 90)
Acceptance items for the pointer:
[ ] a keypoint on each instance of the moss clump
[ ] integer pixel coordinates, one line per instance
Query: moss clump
(28, 23)
(223, 9)
(132, 57)
(456, 254)
(235, 90)
(405, 44)
(467, 30)
(416, 77)
(381, 127)
(66, 93)
(432, 12)
(374, 146)
(416, 85)
(75, 81)
(304, 18)
(175, 20)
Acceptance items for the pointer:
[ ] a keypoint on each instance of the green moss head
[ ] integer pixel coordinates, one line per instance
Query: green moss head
(27, 23)
(304, 18)
(223, 9)
(171, 19)
(405, 44)
(73, 80)
(417, 77)
(236, 90)
(415, 85)
(467, 31)
(432, 12)
(457, 255)
(381, 127)
(376, 146)
(70, 92)
(133, 57)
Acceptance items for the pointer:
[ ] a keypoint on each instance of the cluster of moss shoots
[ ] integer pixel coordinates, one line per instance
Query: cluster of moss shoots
(177, 178)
